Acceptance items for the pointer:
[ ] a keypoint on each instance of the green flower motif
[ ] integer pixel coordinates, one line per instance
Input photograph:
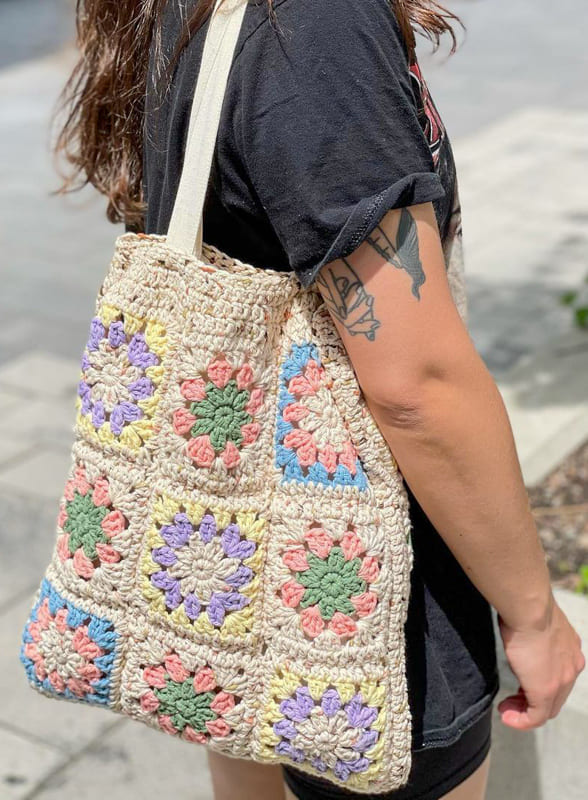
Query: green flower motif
(185, 706)
(331, 582)
(221, 414)
(84, 524)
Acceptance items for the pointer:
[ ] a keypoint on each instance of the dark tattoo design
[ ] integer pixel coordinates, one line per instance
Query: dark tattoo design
(348, 300)
(405, 253)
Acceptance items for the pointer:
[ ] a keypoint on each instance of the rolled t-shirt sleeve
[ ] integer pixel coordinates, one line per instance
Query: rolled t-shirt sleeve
(328, 128)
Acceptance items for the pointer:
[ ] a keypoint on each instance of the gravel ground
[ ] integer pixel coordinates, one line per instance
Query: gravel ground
(560, 507)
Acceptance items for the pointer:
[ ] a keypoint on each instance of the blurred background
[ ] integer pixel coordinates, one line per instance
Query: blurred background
(514, 100)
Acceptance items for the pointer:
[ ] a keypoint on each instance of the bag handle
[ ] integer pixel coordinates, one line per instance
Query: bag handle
(185, 227)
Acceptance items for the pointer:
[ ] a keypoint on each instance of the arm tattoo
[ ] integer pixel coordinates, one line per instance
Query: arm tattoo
(404, 254)
(348, 300)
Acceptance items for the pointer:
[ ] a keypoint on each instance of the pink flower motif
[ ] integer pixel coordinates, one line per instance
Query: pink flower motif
(183, 421)
(149, 702)
(166, 724)
(62, 548)
(250, 432)
(190, 735)
(223, 703)
(107, 554)
(319, 542)
(255, 401)
(175, 668)
(342, 625)
(364, 603)
(218, 727)
(312, 622)
(230, 455)
(296, 559)
(80, 482)
(113, 523)
(82, 564)
(204, 680)
(193, 389)
(351, 545)
(100, 495)
(244, 376)
(294, 412)
(292, 593)
(303, 442)
(328, 458)
(155, 677)
(348, 457)
(369, 569)
(201, 450)
(220, 371)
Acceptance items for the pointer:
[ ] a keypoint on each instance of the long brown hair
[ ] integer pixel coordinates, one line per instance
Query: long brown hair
(101, 136)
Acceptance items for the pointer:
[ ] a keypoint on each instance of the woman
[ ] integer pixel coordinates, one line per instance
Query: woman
(332, 161)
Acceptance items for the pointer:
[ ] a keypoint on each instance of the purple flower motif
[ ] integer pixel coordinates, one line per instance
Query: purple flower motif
(317, 735)
(360, 716)
(232, 601)
(138, 353)
(286, 749)
(186, 548)
(367, 740)
(299, 709)
(233, 545)
(142, 388)
(192, 606)
(97, 333)
(117, 420)
(331, 702)
(216, 611)
(131, 412)
(116, 334)
(177, 535)
(164, 556)
(85, 362)
(98, 414)
(171, 587)
(173, 596)
(207, 528)
(241, 577)
(285, 728)
(161, 580)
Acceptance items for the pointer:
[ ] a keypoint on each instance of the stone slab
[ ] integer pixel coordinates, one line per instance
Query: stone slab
(24, 763)
(42, 474)
(134, 761)
(546, 396)
(42, 374)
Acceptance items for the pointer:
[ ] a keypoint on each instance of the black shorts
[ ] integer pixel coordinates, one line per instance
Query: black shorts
(434, 772)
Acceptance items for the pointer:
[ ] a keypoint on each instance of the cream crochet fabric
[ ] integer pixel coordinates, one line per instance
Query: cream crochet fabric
(233, 554)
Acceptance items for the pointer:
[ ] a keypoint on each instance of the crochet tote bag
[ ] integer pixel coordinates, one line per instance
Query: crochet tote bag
(233, 555)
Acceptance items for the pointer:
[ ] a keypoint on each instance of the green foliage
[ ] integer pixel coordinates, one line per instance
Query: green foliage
(582, 587)
(578, 302)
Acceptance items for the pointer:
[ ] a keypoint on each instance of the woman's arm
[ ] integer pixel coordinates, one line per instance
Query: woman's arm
(443, 417)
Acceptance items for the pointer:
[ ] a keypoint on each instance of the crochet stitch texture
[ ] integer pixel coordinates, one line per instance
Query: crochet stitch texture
(232, 559)
(233, 555)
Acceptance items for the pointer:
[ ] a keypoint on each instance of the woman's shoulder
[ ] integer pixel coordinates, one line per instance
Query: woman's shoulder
(300, 25)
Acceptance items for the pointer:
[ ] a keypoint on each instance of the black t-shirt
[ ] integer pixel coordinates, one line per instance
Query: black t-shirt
(324, 128)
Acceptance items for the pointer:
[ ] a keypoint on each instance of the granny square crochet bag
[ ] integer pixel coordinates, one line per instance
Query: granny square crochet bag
(233, 554)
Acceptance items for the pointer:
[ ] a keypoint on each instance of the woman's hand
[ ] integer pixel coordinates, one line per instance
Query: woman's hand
(546, 661)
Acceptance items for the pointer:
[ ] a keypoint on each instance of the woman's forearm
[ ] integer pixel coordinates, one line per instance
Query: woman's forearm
(456, 451)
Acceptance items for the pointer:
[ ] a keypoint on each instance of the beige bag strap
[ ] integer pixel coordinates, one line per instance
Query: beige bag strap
(185, 227)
